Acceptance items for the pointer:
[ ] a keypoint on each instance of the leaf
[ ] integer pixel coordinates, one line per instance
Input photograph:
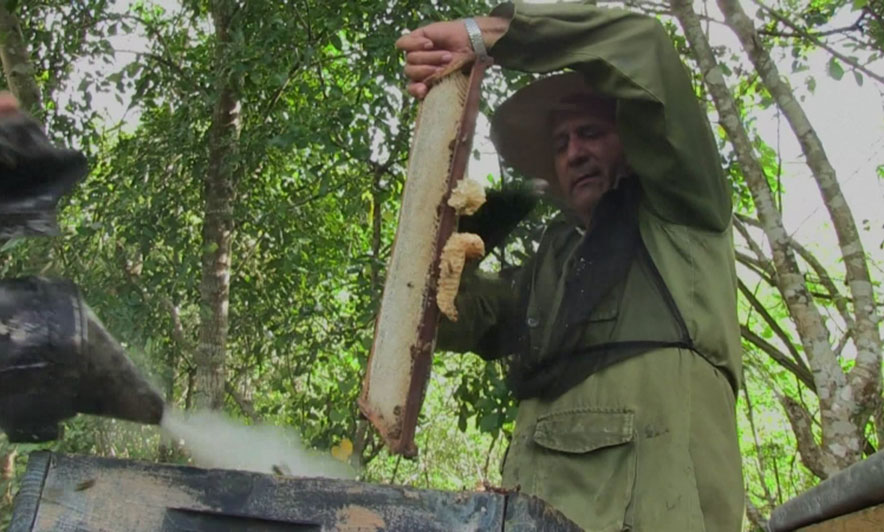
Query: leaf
(490, 422)
(15, 242)
(811, 83)
(343, 450)
(462, 422)
(485, 403)
(836, 71)
(858, 77)
(11, 5)
(859, 4)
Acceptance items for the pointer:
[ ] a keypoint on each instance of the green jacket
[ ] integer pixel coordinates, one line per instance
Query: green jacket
(649, 442)
(685, 209)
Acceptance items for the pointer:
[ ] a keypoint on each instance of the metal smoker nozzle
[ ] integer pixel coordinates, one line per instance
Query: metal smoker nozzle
(57, 360)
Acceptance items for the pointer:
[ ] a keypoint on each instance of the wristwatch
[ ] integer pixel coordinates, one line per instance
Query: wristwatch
(475, 35)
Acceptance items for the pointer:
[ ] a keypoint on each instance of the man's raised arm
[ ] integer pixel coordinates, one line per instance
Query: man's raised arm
(624, 55)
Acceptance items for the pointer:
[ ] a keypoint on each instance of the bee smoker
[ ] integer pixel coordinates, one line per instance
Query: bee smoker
(56, 358)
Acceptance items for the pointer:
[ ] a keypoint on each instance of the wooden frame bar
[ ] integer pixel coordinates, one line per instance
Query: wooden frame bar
(405, 330)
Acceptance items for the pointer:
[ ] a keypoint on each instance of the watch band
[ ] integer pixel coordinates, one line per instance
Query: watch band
(475, 35)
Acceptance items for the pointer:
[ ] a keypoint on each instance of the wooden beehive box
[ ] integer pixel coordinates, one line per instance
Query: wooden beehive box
(79, 493)
(850, 500)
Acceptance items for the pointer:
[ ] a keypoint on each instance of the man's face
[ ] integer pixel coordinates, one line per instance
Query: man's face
(588, 157)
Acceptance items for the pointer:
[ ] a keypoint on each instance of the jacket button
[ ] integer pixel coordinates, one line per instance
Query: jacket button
(532, 322)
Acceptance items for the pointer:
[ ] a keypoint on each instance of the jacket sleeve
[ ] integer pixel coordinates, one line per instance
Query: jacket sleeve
(627, 56)
(484, 303)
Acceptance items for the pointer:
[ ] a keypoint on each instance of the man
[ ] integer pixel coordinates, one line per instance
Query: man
(621, 332)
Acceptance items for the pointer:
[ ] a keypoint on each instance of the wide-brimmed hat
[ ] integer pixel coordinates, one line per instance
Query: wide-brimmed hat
(521, 126)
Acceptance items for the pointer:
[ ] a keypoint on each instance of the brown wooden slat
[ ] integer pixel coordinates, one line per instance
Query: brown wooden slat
(868, 520)
(405, 332)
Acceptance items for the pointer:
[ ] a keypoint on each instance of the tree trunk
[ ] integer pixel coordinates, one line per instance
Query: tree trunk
(218, 221)
(17, 67)
(7, 474)
(842, 435)
(864, 380)
(754, 515)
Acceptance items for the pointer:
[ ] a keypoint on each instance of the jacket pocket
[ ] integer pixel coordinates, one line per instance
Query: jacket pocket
(586, 465)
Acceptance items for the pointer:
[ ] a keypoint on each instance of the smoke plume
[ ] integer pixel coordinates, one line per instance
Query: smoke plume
(216, 441)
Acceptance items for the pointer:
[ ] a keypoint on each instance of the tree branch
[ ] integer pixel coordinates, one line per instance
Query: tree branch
(826, 281)
(762, 260)
(754, 515)
(774, 326)
(18, 69)
(748, 220)
(802, 373)
(842, 342)
(757, 267)
(812, 38)
(244, 405)
(864, 379)
(159, 59)
(281, 90)
(759, 454)
(488, 457)
(801, 422)
(7, 473)
(856, 26)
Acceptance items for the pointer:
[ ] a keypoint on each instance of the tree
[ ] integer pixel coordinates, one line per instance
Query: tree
(235, 227)
(848, 398)
(218, 221)
(17, 68)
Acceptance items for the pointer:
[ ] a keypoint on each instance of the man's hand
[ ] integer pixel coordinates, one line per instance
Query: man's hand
(8, 103)
(430, 48)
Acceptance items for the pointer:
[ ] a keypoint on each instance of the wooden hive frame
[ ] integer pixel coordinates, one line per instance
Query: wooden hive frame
(405, 331)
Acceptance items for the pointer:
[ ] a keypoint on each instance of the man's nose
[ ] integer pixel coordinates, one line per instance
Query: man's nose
(576, 153)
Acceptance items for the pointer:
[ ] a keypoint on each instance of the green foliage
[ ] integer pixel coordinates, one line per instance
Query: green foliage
(64, 37)
(835, 70)
(325, 129)
(324, 138)
(484, 397)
